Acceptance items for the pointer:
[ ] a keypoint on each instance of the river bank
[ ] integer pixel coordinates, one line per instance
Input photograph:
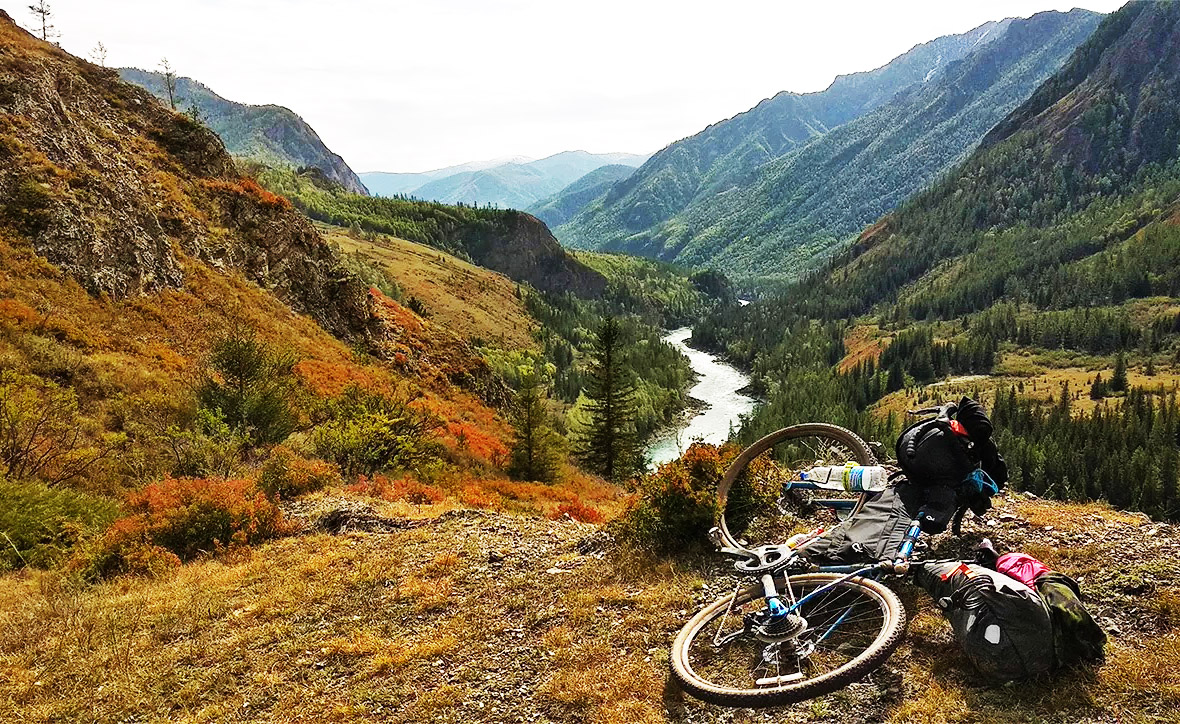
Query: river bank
(721, 404)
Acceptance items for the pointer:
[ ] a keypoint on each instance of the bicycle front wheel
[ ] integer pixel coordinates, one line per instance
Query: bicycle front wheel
(834, 639)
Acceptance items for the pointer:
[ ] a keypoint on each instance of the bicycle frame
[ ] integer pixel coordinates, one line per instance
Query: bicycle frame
(899, 564)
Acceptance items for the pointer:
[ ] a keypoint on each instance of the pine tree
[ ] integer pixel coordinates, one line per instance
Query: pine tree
(1118, 381)
(608, 445)
(535, 454)
(1098, 389)
(43, 13)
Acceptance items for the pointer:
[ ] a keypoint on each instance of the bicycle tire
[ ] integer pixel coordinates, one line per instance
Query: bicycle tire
(860, 450)
(893, 625)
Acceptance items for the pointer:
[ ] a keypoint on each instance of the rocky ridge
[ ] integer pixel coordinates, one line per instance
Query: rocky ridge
(118, 191)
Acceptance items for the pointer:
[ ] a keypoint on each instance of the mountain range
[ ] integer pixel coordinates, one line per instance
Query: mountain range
(1070, 201)
(771, 191)
(271, 134)
(516, 183)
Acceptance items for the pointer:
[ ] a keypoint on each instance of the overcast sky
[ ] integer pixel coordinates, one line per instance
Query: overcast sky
(394, 85)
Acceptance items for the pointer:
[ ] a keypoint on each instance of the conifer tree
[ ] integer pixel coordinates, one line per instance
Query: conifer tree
(1118, 381)
(43, 14)
(535, 453)
(608, 445)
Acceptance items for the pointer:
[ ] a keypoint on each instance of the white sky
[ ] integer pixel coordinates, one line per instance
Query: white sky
(394, 85)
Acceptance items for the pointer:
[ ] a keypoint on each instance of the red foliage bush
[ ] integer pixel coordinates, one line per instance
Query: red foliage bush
(579, 511)
(476, 497)
(248, 187)
(180, 519)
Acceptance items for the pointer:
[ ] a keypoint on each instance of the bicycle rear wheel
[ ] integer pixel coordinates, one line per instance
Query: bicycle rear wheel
(749, 522)
(840, 636)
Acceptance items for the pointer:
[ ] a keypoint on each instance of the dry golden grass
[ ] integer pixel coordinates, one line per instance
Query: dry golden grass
(862, 343)
(471, 301)
(1039, 382)
(426, 625)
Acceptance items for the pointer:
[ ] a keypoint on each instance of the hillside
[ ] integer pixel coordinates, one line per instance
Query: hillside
(475, 303)
(565, 204)
(1087, 167)
(796, 209)
(271, 134)
(511, 185)
(510, 242)
(724, 155)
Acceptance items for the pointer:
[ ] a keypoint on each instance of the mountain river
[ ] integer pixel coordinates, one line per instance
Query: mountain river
(717, 386)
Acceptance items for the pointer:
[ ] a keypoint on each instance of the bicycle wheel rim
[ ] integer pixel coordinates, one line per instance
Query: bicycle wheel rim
(745, 523)
(731, 677)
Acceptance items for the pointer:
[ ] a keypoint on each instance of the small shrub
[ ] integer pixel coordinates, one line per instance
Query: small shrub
(677, 505)
(40, 524)
(579, 511)
(476, 497)
(184, 517)
(401, 489)
(286, 474)
(368, 433)
(40, 432)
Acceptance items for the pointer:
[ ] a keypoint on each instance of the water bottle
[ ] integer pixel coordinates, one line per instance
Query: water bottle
(849, 477)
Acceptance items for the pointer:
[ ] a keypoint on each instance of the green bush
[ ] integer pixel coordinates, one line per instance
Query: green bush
(40, 524)
(677, 505)
(250, 383)
(367, 433)
(286, 474)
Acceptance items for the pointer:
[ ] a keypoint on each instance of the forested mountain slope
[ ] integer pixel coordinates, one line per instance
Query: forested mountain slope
(726, 153)
(1069, 201)
(1042, 275)
(511, 242)
(800, 206)
(271, 134)
(563, 205)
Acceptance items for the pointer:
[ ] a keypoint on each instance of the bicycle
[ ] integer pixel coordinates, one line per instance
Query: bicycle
(823, 627)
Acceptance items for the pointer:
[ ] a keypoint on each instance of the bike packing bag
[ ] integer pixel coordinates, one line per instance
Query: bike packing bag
(874, 533)
(930, 453)
(1077, 639)
(1002, 625)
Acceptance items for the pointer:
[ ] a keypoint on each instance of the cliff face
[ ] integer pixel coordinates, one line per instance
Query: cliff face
(529, 251)
(116, 191)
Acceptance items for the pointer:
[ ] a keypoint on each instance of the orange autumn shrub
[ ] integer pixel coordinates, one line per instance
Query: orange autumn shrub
(401, 489)
(579, 511)
(180, 519)
(476, 497)
(286, 474)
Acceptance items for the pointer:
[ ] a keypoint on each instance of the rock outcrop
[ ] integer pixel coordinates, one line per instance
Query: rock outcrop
(119, 191)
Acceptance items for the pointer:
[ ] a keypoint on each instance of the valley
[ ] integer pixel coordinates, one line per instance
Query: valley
(284, 442)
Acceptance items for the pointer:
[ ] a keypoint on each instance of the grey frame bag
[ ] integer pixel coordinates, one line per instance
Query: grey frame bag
(1002, 625)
